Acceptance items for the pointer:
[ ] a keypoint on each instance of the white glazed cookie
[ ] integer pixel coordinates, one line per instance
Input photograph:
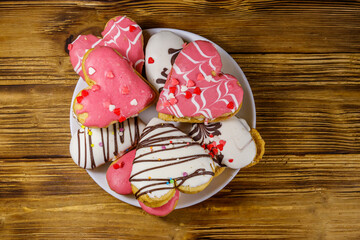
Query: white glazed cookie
(160, 53)
(230, 143)
(167, 158)
(92, 147)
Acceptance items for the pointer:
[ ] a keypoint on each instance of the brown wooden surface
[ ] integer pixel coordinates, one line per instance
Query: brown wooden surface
(302, 60)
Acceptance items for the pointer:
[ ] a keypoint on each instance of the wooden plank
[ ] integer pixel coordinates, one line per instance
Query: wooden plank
(311, 109)
(283, 197)
(237, 26)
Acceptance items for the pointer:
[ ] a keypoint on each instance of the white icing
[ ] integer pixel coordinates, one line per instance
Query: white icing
(239, 145)
(179, 150)
(101, 152)
(157, 48)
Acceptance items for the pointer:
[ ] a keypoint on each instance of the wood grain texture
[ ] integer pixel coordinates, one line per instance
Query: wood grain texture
(284, 196)
(302, 60)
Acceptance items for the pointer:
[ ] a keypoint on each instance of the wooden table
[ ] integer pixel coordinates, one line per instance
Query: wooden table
(302, 60)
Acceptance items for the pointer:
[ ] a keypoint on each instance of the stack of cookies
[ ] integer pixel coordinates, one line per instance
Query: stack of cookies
(156, 161)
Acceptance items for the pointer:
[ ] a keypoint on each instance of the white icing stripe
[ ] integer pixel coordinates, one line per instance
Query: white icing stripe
(204, 55)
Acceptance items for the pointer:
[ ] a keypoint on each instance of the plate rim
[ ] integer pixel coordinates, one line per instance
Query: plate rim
(231, 173)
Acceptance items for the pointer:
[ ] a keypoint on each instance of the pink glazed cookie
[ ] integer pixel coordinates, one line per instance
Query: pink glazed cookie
(116, 90)
(164, 209)
(119, 172)
(120, 33)
(196, 90)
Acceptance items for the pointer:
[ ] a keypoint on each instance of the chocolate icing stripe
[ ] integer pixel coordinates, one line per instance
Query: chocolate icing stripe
(158, 134)
(137, 132)
(190, 158)
(167, 149)
(149, 129)
(91, 153)
(103, 147)
(164, 159)
(137, 194)
(148, 143)
(115, 140)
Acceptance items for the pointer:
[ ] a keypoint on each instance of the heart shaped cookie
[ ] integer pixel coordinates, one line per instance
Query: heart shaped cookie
(196, 90)
(116, 90)
(120, 33)
(118, 173)
(167, 159)
(230, 143)
(93, 147)
(160, 54)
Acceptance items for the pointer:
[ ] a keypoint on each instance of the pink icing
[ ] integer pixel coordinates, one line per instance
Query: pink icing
(164, 209)
(195, 68)
(106, 102)
(120, 33)
(118, 173)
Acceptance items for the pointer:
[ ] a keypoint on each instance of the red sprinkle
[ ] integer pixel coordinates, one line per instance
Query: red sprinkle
(117, 111)
(110, 75)
(84, 93)
(230, 105)
(79, 99)
(125, 90)
(231, 160)
(188, 94)
(197, 91)
(172, 89)
(220, 147)
(215, 151)
(211, 135)
(122, 164)
(166, 104)
(222, 142)
(173, 101)
(190, 83)
(121, 119)
(151, 60)
(200, 77)
(174, 81)
(95, 88)
(70, 46)
(203, 146)
(170, 141)
(132, 28)
(116, 166)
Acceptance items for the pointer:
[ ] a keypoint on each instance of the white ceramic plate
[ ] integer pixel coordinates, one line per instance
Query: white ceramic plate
(247, 112)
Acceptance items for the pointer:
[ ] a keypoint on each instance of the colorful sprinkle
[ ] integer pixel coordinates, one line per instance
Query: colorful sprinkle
(91, 70)
(95, 88)
(170, 141)
(132, 28)
(117, 111)
(197, 91)
(230, 105)
(70, 46)
(125, 90)
(188, 94)
(213, 73)
(151, 149)
(133, 102)
(159, 159)
(185, 174)
(149, 177)
(172, 89)
(190, 83)
(110, 75)
(200, 77)
(173, 101)
(82, 126)
(163, 147)
(187, 143)
(121, 129)
(150, 60)
(101, 144)
(92, 145)
(121, 119)
(174, 81)
(90, 133)
(79, 99)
